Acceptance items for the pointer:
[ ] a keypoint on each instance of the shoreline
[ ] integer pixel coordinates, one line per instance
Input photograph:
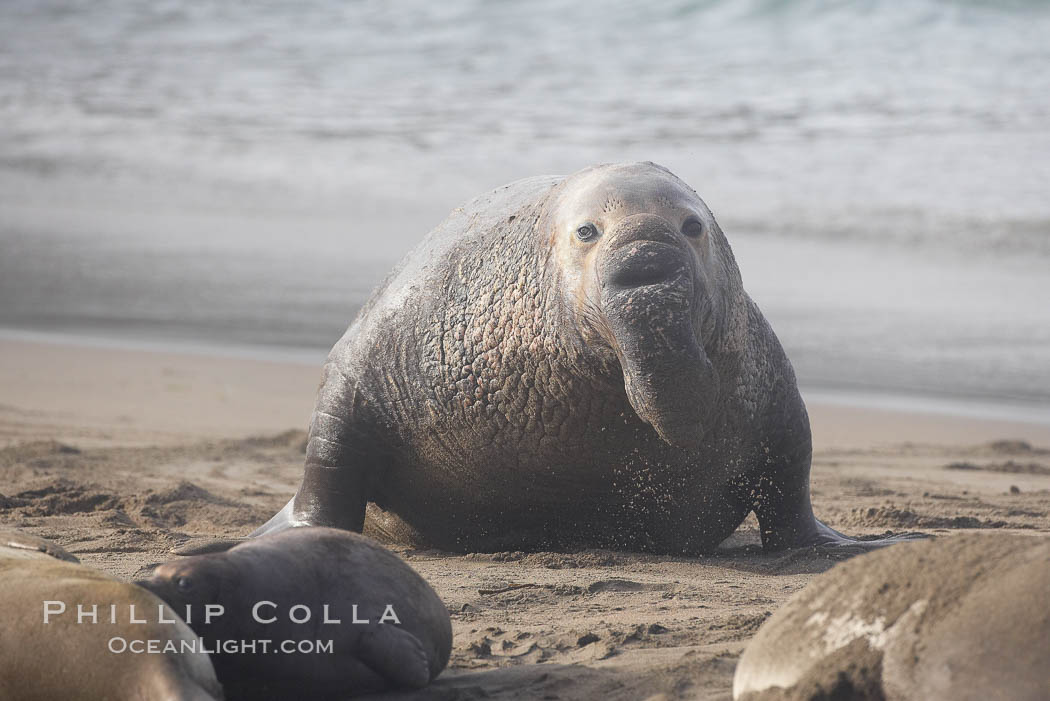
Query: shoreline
(295, 355)
(111, 390)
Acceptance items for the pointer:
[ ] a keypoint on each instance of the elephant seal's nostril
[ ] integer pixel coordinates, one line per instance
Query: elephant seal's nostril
(640, 263)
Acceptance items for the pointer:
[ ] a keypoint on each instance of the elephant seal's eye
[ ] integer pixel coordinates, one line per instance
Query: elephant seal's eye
(693, 228)
(184, 584)
(587, 232)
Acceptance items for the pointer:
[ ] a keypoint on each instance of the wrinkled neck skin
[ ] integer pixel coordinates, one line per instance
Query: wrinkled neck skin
(654, 292)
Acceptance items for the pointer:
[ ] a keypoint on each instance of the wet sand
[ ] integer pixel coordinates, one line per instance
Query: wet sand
(121, 455)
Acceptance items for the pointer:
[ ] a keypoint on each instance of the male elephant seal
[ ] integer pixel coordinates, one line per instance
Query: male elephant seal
(69, 632)
(956, 618)
(385, 625)
(564, 362)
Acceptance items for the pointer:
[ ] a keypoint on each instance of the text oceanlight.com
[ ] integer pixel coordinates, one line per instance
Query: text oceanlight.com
(119, 645)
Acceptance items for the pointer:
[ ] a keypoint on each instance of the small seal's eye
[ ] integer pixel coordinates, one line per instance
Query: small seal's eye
(184, 584)
(693, 228)
(587, 232)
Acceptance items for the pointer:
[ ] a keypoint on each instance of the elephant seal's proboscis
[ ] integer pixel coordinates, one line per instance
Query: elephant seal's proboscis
(565, 362)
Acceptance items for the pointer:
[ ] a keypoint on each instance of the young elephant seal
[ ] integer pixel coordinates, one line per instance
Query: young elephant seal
(564, 362)
(69, 632)
(311, 586)
(956, 618)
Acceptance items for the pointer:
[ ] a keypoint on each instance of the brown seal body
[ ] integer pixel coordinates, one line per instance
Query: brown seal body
(67, 659)
(15, 544)
(392, 631)
(957, 618)
(565, 362)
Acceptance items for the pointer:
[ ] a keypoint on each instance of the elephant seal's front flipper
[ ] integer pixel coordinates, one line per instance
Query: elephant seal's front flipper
(280, 521)
(396, 655)
(333, 492)
(827, 540)
(781, 501)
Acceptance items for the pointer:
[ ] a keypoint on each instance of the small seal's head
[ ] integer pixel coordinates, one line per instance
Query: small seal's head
(643, 270)
(194, 582)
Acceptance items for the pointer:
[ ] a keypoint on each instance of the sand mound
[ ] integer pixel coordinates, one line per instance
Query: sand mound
(1016, 447)
(182, 505)
(1027, 468)
(897, 518)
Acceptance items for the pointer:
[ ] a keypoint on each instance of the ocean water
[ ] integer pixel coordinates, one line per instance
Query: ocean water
(240, 175)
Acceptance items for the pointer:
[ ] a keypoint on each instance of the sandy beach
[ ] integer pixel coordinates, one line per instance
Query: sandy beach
(121, 455)
(196, 199)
